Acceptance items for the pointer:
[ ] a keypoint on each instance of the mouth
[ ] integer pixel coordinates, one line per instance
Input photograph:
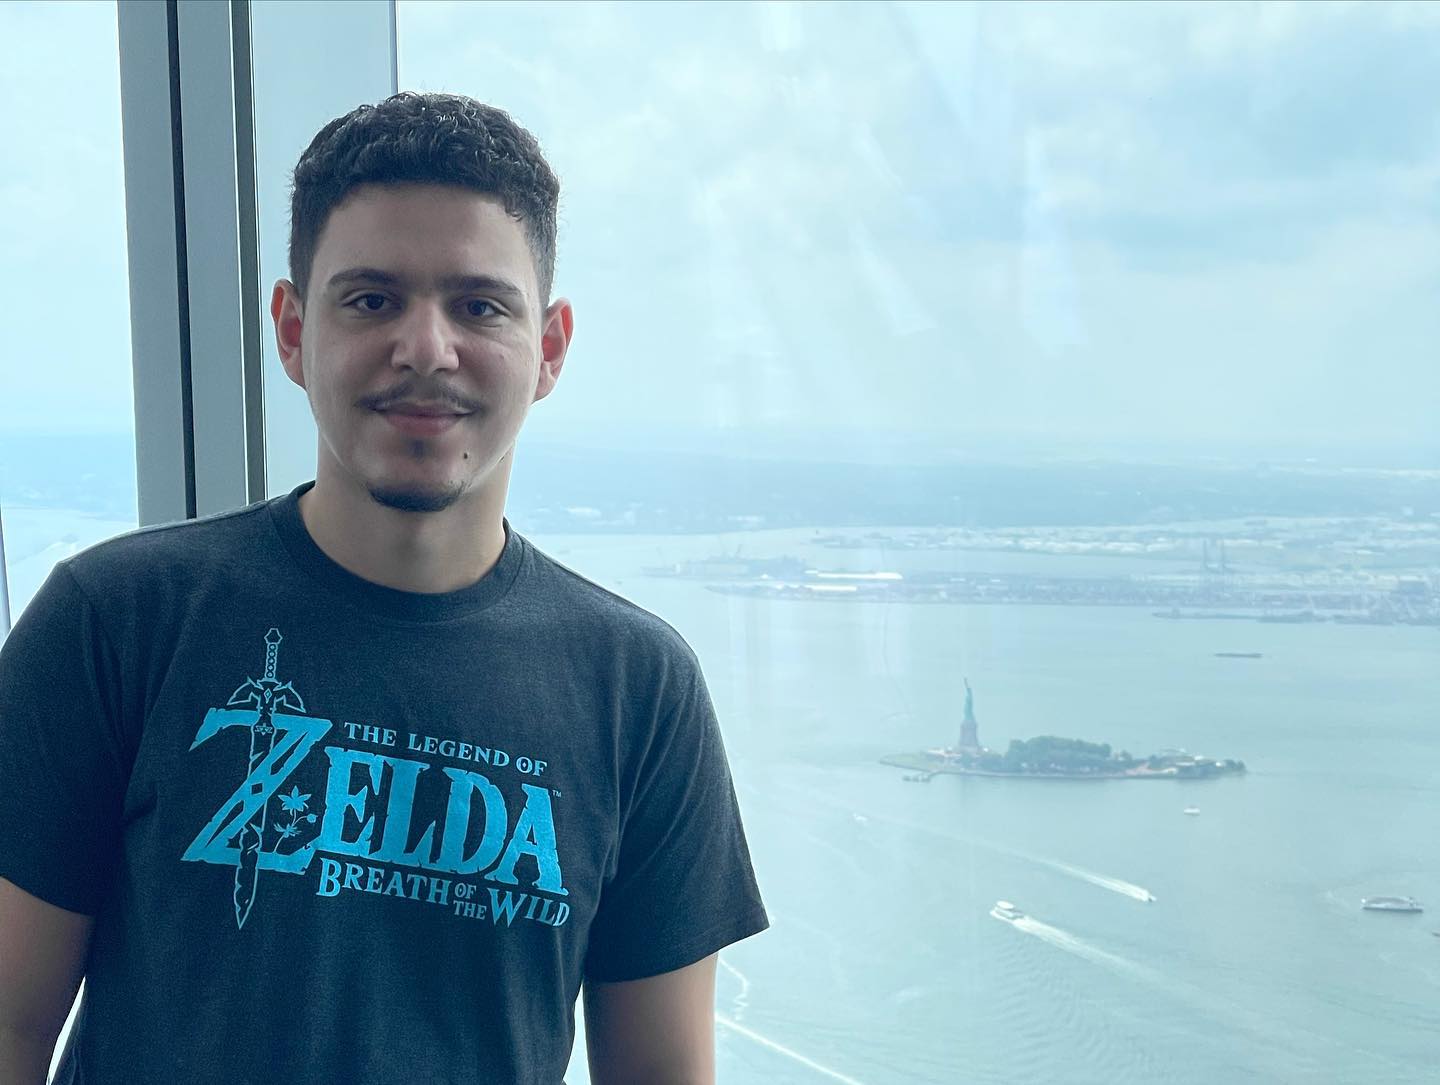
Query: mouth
(421, 420)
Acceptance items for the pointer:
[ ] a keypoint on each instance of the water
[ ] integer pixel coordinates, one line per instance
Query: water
(35, 539)
(884, 964)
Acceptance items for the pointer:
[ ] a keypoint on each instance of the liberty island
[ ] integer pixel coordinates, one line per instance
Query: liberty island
(1049, 757)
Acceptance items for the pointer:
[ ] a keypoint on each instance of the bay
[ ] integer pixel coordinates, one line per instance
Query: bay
(884, 964)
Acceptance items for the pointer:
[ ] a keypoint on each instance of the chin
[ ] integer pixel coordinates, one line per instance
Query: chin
(413, 497)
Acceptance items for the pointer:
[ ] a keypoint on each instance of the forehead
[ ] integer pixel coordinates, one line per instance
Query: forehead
(424, 232)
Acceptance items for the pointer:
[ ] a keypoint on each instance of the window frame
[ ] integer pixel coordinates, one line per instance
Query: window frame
(192, 205)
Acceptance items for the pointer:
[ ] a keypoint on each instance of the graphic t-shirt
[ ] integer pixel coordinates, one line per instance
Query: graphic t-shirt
(334, 832)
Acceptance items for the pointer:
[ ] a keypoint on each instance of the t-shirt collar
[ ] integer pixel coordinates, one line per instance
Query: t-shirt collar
(378, 599)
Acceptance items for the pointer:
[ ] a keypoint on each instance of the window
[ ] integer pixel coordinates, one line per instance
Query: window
(67, 432)
(67, 460)
(1075, 353)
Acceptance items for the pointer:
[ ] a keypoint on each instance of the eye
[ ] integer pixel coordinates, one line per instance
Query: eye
(363, 302)
(474, 305)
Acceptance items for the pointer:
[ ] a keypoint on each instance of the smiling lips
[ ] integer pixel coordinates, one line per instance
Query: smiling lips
(421, 419)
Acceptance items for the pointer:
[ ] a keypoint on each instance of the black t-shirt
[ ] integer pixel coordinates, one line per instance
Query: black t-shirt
(334, 832)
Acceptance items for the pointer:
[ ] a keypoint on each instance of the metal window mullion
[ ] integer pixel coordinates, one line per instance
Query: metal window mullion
(158, 343)
(248, 207)
(220, 254)
(193, 259)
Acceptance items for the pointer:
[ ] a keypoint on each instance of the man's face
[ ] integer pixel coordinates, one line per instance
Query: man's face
(422, 344)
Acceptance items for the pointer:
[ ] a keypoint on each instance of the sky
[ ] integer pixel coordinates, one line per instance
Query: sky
(1208, 225)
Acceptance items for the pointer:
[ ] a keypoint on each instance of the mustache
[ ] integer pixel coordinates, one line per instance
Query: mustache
(414, 391)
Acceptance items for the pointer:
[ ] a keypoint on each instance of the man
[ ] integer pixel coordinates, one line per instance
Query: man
(356, 784)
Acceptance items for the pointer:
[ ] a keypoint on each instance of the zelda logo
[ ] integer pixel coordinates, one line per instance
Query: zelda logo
(281, 736)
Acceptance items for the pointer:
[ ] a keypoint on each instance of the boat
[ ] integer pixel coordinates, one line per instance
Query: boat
(918, 777)
(1238, 655)
(1193, 811)
(1391, 904)
(1005, 910)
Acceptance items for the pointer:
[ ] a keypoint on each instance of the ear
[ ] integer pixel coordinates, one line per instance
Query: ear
(557, 329)
(288, 312)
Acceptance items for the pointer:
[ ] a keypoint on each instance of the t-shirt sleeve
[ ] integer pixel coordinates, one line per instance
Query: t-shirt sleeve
(684, 886)
(62, 769)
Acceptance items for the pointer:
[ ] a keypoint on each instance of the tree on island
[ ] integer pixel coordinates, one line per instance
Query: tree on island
(1051, 753)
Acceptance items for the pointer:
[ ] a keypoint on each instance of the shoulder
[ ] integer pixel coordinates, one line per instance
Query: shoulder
(604, 619)
(173, 554)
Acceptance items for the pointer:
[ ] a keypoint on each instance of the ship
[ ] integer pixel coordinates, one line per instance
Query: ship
(1193, 811)
(1005, 910)
(1391, 904)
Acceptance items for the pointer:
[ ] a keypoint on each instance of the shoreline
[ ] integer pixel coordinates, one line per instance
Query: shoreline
(922, 763)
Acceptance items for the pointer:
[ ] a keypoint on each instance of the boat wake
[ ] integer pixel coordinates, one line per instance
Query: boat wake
(1104, 881)
(1083, 949)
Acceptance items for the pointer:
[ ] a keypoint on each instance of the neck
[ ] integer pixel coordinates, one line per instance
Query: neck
(425, 552)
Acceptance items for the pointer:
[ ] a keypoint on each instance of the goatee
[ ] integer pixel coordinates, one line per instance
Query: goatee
(414, 500)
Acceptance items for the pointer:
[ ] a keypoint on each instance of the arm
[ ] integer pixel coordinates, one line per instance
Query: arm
(42, 958)
(654, 1031)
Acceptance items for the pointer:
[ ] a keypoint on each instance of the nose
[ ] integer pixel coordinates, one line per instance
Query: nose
(425, 340)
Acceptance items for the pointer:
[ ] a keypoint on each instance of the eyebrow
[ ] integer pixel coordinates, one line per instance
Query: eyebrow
(370, 276)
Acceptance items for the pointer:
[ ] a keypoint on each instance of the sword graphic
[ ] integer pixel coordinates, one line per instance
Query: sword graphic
(265, 694)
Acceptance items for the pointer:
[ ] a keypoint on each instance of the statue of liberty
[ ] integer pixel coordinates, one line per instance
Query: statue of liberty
(969, 727)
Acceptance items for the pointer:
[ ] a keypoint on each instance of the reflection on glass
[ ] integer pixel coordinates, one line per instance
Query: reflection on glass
(961, 379)
(67, 449)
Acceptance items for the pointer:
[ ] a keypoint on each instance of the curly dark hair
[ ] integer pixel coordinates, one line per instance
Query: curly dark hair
(430, 138)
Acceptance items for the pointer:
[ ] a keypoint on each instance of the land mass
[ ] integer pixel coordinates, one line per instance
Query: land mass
(1050, 757)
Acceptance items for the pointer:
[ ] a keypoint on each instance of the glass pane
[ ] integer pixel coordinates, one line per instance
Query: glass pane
(294, 98)
(67, 429)
(953, 376)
